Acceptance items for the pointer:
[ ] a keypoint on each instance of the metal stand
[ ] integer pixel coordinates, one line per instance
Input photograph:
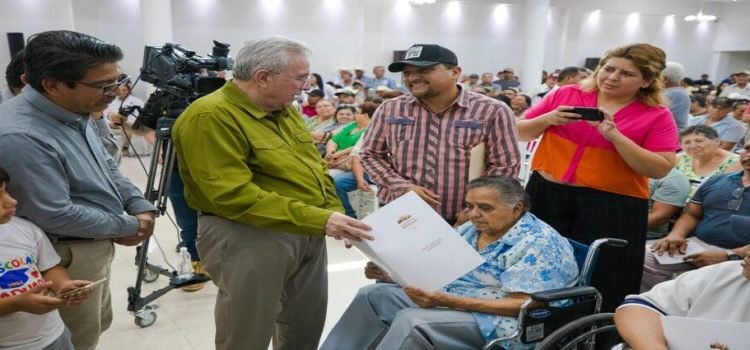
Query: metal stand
(143, 312)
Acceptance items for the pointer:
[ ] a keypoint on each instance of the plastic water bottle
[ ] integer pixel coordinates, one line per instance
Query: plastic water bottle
(185, 270)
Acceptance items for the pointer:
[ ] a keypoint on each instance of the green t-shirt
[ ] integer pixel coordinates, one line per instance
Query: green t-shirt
(347, 137)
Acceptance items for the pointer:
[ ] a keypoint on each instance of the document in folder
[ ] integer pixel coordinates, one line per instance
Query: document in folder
(477, 161)
(416, 246)
(685, 333)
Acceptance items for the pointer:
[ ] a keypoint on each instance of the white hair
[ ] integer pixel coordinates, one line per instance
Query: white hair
(271, 54)
(674, 72)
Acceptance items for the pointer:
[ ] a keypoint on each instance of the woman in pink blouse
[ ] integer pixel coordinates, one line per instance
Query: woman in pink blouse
(590, 178)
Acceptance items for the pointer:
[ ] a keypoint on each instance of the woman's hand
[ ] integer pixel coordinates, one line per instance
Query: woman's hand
(342, 153)
(423, 298)
(560, 116)
(374, 272)
(607, 127)
(363, 186)
(317, 136)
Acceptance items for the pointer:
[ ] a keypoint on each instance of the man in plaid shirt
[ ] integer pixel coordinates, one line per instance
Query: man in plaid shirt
(422, 142)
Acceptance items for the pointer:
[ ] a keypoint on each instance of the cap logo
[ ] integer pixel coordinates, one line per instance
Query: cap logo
(413, 52)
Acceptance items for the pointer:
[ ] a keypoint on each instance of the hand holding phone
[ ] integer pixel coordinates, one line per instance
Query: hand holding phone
(80, 290)
(588, 113)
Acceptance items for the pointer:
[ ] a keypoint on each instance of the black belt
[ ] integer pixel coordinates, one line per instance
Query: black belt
(71, 239)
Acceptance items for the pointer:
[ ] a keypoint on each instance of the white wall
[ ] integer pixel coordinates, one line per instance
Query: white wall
(486, 36)
(31, 16)
(331, 27)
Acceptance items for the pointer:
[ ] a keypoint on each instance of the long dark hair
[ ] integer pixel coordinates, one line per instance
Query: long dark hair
(319, 81)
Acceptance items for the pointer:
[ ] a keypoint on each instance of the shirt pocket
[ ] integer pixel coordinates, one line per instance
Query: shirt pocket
(305, 145)
(466, 133)
(400, 129)
(269, 154)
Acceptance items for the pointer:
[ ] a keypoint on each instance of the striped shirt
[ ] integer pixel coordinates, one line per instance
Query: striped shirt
(408, 145)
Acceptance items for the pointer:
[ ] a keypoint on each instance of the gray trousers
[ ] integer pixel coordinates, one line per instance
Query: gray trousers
(88, 260)
(655, 273)
(271, 285)
(382, 317)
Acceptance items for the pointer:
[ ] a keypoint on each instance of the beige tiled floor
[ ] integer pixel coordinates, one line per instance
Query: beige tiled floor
(185, 320)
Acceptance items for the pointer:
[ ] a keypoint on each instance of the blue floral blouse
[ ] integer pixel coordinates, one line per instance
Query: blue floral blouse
(531, 257)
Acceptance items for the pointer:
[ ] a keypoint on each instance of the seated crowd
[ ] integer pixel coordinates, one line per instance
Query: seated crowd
(667, 167)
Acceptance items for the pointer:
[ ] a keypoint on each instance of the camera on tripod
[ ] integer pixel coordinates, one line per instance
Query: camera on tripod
(180, 76)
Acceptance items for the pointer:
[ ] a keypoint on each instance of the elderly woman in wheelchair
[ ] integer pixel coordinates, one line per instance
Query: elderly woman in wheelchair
(523, 255)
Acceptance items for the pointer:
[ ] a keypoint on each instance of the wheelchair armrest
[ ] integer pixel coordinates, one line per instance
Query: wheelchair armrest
(564, 293)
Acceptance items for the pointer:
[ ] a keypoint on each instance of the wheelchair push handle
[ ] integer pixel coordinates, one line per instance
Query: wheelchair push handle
(612, 242)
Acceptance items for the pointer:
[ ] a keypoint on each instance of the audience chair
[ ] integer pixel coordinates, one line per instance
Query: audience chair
(527, 150)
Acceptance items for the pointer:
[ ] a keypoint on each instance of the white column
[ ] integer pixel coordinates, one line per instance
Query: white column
(535, 28)
(156, 26)
(156, 22)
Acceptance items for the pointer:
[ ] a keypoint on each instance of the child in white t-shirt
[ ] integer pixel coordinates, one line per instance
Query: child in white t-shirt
(29, 280)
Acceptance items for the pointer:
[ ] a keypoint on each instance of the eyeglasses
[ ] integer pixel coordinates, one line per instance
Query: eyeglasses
(736, 201)
(303, 81)
(107, 89)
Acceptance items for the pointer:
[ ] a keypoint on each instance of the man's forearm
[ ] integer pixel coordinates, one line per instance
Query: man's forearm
(640, 328)
(685, 225)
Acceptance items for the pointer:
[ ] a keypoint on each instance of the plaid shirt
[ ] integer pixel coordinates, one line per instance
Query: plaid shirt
(408, 145)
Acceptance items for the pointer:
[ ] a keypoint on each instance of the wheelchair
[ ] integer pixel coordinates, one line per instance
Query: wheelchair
(568, 318)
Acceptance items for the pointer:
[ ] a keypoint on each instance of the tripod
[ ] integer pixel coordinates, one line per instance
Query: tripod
(157, 187)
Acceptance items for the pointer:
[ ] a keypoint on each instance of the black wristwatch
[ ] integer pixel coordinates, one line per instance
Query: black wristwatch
(732, 255)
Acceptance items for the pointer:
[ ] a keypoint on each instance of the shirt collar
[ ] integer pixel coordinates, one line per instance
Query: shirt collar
(238, 97)
(44, 104)
(514, 235)
(737, 176)
(519, 230)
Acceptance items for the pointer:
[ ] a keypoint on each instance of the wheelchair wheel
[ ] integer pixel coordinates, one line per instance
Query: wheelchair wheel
(595, 331)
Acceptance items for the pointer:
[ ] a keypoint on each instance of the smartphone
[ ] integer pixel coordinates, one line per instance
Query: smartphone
(79, 290)
(588, 113)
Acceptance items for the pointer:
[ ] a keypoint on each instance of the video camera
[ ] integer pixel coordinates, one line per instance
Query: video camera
(180, 76)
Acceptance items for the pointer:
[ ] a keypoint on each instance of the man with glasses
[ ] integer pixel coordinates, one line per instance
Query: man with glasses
(265, 200)
(66, 182)
(707, 218)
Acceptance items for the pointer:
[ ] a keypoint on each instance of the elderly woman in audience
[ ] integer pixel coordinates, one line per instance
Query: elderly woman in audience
(702, 156)
(590, 178)
(729, 129)
(321, 126)
(523, 255)
(339, 147)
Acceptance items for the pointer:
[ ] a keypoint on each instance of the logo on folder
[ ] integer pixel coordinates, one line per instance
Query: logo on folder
(406, 220)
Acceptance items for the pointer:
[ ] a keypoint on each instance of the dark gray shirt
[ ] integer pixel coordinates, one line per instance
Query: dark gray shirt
(61, 175)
